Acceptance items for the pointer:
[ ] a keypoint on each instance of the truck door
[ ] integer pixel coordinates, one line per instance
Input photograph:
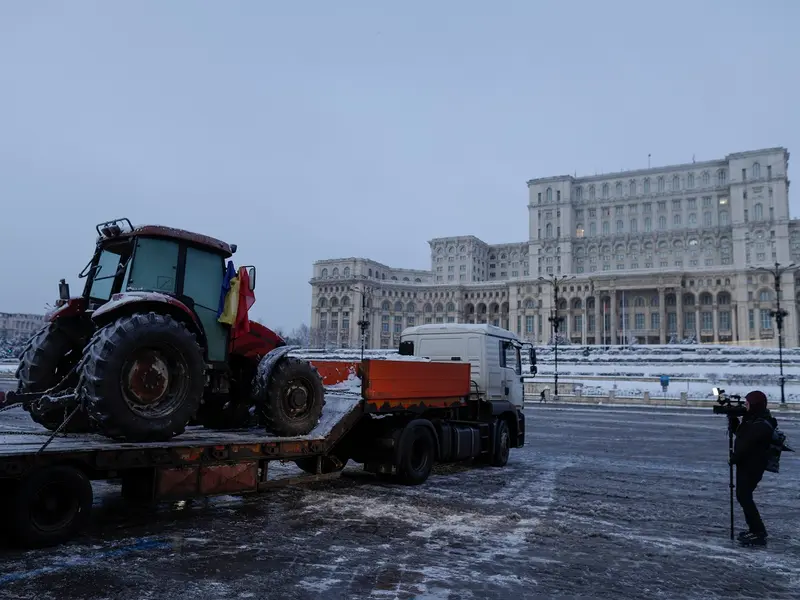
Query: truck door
(511, 365)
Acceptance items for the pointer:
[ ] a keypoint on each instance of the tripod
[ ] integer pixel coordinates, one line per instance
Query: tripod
(730, 472)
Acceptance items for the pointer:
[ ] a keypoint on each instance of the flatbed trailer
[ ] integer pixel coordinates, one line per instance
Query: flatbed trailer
(399, 420)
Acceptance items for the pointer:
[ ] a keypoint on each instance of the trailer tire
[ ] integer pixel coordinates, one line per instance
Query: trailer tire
(502, 444)
(50, 506)
(142, 377)
(330, 464)
(294, 398)
(417, 453)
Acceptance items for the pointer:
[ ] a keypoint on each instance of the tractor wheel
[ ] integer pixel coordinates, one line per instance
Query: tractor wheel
(294, 398)
(142, 378)
(47, 358)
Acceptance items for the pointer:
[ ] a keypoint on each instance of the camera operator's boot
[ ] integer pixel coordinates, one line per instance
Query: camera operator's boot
(753, 539)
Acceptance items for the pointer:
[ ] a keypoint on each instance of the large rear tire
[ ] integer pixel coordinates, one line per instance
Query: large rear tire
(294, 398)
(48, 357)
(142, 378)
(49, 506)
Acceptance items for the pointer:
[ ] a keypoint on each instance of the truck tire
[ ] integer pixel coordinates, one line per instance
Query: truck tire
(502, 444)
(330, 464)
(417, 454)
(46, 359)
(49, 506)
(294, 398)
(142, 378)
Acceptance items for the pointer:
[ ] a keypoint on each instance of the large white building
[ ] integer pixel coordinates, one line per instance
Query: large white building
(655, 254)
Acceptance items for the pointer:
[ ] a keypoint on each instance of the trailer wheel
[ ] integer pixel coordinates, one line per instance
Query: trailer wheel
(330, 464)
(502, 444)
(50, 506)
(417, 454)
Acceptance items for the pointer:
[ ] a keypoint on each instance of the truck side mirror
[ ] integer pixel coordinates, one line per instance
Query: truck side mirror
(251, 272)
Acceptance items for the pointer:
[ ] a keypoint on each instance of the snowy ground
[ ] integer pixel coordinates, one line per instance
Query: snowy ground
(600, 503)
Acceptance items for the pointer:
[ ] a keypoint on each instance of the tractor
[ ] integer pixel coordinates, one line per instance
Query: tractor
(143, 352)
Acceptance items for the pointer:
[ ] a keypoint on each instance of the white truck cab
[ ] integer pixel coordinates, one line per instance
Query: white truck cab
(493, 353)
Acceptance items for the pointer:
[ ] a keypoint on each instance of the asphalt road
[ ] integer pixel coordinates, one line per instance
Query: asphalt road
(600, 503)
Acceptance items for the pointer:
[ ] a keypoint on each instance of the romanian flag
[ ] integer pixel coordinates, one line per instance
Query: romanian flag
(230, 307)
(246, 299)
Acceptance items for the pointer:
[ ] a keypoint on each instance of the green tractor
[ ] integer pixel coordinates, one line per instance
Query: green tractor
(142, 353)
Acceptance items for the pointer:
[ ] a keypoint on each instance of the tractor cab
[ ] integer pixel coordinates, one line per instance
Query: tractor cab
(153, 262)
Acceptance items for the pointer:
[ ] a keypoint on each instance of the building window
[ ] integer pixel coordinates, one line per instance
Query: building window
(751, 321)
(578, 324)
(558, 196)
(638, 321)
(548, 230)
(662, 223)
(690, 181)
(688, 321)
(591, 192)
(634, 226)
(655, 320)
(722, 177)
(647, 186)
(549, 195)
(758, 211)
(619, 189)
(660, 185)
(707, 219)
(676, 183)
(707, 321)
(605, 190)
(766, 319)
(632, 188)
(578, 193)
(619, 226)
(723, 217)
(606, 228)
(756, 171)
(706, 179)
(648, 225)
(692, 219)
(672, 322)
(724, 320)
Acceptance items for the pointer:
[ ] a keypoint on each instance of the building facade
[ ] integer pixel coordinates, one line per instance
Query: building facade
(19, 325)
(653, 255)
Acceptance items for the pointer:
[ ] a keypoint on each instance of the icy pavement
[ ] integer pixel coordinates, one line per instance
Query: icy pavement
(601, 503)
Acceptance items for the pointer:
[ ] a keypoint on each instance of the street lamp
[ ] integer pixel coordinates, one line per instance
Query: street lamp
(555, 320)
(363, 322)
(778, 314)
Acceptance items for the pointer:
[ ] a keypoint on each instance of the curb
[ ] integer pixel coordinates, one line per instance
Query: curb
(640, 402)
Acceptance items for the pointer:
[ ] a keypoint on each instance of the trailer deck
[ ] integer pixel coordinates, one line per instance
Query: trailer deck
(19, 434)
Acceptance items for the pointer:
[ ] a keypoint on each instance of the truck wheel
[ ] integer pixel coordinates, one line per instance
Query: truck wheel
(502, 444)
(294, 399)
(330, 464)
(142, 378)
(47, 358)
(417, 454)
(50, 506)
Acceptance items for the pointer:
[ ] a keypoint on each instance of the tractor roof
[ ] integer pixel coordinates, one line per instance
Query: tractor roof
(113, 229)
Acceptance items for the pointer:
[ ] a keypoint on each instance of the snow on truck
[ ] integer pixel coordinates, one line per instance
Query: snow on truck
(112, 394)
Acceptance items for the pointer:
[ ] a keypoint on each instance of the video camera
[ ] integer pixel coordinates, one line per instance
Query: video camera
(728, 404)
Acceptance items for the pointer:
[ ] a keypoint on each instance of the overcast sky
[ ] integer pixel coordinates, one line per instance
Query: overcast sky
(310, 130)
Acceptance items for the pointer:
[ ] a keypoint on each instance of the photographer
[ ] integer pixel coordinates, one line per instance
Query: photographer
(753, 436)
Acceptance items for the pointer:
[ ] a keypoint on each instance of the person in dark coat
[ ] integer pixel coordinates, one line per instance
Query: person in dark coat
(750, 453)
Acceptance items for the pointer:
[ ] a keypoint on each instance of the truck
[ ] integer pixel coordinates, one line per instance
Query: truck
(453, 392)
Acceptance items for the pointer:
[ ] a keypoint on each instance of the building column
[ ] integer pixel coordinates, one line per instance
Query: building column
(679, 309)
(735, 321)
(584, 323)
(716, 323)
(662, 318)
(697, 322)
(598, 329)
(613, 317)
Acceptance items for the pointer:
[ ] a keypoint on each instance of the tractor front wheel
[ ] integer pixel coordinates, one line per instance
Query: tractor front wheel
(294, 398)
(142, 378)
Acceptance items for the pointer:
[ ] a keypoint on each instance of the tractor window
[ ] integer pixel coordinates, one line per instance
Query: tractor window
(155, 264)
(202, 282)
(103, 281)
(203, 279)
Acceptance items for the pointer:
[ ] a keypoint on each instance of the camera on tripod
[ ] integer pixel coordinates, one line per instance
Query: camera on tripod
(728, 404)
